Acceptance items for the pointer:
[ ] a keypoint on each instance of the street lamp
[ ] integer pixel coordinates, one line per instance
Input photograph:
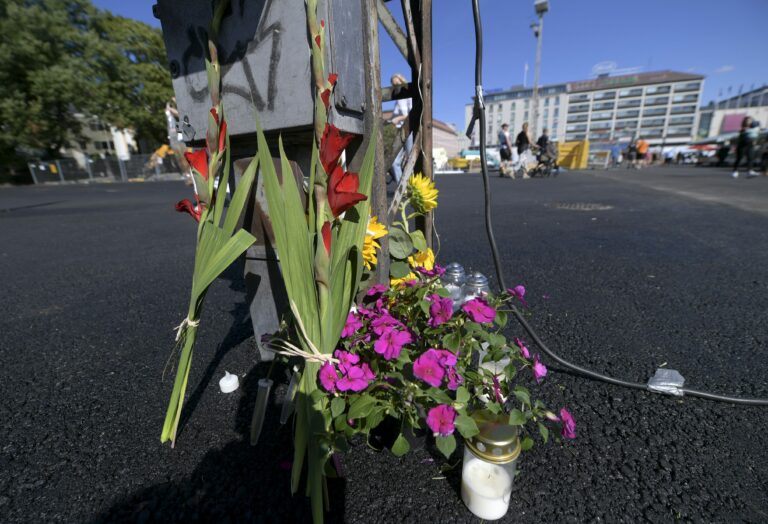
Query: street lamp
(541, 7)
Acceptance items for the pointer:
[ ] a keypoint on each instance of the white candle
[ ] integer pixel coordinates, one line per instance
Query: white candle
(228, 382)
(485, 488)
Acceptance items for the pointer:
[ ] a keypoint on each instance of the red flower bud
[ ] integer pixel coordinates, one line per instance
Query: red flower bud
(326, 232)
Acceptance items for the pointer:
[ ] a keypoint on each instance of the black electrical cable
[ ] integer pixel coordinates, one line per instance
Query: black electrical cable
(478, 115)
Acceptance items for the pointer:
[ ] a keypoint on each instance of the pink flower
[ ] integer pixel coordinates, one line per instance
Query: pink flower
(454, 379)
(427, 368)
(519, 293)
(539, 369)
(479, 311)
(329, 377)
(438, 271)
(346, 359)
(444, 357)
(352, 325)
(569, 424)
(523, 349)
(391, 342)
(376, 290)
(440, 420)
(440, 310)
(355, 379)
(368, 373)
(497, 390)
(384, 322)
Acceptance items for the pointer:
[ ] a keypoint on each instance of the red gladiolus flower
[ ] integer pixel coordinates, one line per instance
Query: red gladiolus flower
(186, 206)
(317, 40)
(342, 191)
(325, 94)
(333, 142)
(326, 231)
(322, 23)
(223, 135)
(199, 162)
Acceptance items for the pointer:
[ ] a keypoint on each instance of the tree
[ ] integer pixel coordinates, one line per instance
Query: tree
(59, 57)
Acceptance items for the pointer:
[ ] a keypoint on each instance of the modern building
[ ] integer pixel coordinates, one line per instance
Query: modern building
(659, 106)
(99, 139)
(726, 115)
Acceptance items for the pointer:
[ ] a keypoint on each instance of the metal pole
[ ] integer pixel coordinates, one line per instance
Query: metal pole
(88, 167)
(32, 172)
(61, 174)
(537, 67)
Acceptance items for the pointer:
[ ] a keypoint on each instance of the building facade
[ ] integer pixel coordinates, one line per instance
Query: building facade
(660, 107)
(726, 115)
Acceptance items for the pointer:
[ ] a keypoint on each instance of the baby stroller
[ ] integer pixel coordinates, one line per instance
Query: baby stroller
(547, 162)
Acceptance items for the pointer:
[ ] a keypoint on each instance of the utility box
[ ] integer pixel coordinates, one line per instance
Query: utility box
(264, 52)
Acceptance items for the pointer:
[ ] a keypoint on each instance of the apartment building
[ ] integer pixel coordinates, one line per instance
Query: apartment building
(659, 106)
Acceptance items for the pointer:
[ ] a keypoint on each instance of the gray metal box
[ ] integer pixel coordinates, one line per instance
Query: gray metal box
(265, 57)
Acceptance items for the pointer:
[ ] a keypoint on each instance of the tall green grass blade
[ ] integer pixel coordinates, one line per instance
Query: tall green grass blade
(242, 191)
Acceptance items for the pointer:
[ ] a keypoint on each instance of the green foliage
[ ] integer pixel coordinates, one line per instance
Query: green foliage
(446, 445)
(59, 57)
(401, 446)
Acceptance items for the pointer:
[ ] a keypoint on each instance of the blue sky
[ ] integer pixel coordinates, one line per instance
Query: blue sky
(725, 41)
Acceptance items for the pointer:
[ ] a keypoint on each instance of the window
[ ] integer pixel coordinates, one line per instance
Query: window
(657, 90)
(655, 111)
(625, 124)
(608, 95)
(676, 110)
(556, 112)
(111, 145)
(575, 136)
(490, 108)
(606, 124)
(651, 133)
(575, 127)
(628, 113)
(97, 145)
(527, 102)
(689, 86)
(546, 102)
(629, 103)
(557, 101)
(659, 100)
(605, 115)
(578, 98)
(685, 98)
(546, 114)
(526, 116)
(578, 108)
(630, 92)
(679, 131)
(577, 118)
(653, 122)
(602, 105)
(600, 135)
(681, 120)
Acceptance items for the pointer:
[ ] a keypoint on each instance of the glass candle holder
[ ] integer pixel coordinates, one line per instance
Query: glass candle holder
(490, 462)
(452, 280)
(476, 285)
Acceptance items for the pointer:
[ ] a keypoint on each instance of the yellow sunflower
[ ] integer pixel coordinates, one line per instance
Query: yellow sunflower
(423, 259)
(422, 193)
(370, 246)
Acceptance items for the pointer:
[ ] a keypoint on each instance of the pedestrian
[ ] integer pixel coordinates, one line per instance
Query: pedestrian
(505, 152)
(745, 147)
(642, 153)
(399, 115)
(615, 154)
(632, 153)
(523, 143)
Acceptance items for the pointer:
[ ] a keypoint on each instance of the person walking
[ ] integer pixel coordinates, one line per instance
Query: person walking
(642, 152)
(505, 152)
(632, 154)
(745, 147)
(615, 153)
(523, 144)
(399, 115)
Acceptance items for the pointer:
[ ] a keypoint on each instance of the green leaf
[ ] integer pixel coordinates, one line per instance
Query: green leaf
(242, 191)
(425, 305)
(400, 244)
(517, 418)
(526, 444)
(522, 395)
(466, 426)
(361, 407)
(398, 269)
(337, 406)
(462, 395)
(446, 445)
(418, 240)
(443, 292)
(544, 432)
(501, 318)
(401, 446)
(452, 341)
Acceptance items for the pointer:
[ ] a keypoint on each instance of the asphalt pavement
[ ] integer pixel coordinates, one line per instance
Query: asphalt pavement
(626, 272)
